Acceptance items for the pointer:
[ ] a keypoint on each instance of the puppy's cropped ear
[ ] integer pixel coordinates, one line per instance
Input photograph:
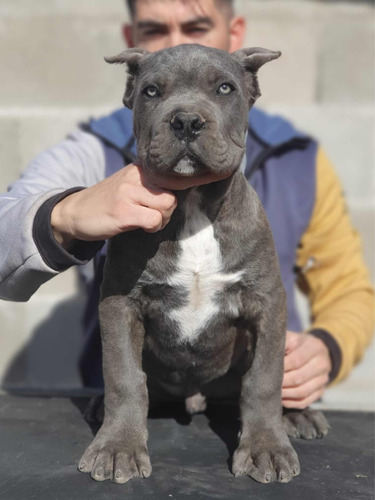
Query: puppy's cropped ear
(132, 58)
(252, 59)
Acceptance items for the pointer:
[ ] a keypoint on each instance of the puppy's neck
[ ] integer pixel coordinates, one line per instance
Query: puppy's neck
(209, 196)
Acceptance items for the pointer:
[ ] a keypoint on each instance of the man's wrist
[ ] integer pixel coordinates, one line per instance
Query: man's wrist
(333, 349)
(52, 252)
(59, 226)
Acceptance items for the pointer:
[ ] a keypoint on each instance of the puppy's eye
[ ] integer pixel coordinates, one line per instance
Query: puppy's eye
(151, 91)
(225, 89)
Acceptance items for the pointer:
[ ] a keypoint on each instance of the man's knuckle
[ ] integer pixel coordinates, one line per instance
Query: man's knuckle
(116, 212)
(154, 220)
(123, 189)
(298, 360)
(292, 380)
(300, 404)
(290, 365)
(300, 393)
(287, 404)
(297, 380)
(168, 202)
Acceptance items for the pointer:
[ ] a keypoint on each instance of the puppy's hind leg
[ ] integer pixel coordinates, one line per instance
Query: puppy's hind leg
(264, 451)
(305, 424)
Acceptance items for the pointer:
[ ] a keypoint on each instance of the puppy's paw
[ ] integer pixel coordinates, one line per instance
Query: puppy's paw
(305, 424)
(115, 461)
(266, 463)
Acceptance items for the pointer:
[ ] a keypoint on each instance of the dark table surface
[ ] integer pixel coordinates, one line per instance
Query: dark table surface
(42, 439)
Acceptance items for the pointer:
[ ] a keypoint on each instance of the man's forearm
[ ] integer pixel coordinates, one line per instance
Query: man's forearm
(77, 161)
(350, 321)
(22, 269)
(337, 282)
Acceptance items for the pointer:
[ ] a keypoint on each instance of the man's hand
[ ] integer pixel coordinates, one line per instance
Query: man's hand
(307, 365)
(122, 202)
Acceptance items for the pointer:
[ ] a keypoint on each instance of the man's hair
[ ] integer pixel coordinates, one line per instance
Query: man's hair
(224, 3)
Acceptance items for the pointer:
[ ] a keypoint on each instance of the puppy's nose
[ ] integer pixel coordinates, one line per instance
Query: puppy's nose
(187, 125)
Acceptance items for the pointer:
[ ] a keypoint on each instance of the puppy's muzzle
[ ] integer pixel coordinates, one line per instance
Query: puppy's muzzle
(187, 126)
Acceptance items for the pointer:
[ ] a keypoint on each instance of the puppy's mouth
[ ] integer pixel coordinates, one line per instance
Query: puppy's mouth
(188, 166)
(166, 156)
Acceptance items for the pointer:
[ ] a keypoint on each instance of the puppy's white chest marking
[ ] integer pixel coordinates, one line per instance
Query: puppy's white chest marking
(199, 271)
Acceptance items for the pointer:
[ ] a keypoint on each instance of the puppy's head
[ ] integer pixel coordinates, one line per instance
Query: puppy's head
(191, 106)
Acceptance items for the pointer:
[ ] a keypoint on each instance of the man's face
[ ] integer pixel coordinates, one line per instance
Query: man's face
(158, 24)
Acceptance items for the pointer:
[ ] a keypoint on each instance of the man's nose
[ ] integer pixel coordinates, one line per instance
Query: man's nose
(187, 125)
(178, 37)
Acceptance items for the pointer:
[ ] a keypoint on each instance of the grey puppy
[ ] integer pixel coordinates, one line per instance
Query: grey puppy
(197, 309)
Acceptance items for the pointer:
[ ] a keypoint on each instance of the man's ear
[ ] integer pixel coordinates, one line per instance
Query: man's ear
(132, 58)
(237, 29)
(127, 35)
(252, 59)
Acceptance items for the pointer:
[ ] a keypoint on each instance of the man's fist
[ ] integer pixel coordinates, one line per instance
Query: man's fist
(307, 365)
(122, 202)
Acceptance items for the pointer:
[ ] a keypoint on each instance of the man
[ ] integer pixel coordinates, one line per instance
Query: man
(51, 223)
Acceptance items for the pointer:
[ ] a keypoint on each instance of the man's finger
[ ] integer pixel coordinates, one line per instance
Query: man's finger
(292, 341)
(313, 368)
(296, 359)
(302, 354)
(305, 390)
(164, 201)
(303, 403)
(142, 217)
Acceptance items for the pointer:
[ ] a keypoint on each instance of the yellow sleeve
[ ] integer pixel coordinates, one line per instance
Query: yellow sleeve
(333, 272)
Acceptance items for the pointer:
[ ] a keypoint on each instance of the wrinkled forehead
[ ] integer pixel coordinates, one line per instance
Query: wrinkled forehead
(191, 63)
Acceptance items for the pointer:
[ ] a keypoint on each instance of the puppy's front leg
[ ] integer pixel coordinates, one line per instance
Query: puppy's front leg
(264, 450)
(119, 450)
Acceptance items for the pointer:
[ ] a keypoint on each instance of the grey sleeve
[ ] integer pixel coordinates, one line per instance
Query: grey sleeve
(75, 163)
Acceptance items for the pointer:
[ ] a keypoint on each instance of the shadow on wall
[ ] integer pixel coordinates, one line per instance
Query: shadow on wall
(49, 360)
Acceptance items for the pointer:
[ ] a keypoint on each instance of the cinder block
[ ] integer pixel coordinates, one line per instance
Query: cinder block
(64, 284)
(59, 61)
(24, 133)
(37, 133)
(363, 219)
(280, 26)
(347, 135)
(9, 151)
(89, 8)
(346, 54)
(328, 49)
(14, 335)
(40, 342)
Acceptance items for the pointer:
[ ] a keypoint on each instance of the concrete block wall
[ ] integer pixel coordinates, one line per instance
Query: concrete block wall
(53, 76)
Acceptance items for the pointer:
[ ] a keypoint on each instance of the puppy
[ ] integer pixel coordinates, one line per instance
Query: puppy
(197, 309)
